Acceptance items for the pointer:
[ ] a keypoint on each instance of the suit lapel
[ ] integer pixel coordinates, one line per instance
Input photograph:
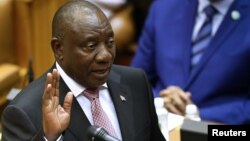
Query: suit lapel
(192, 8)
(79, 123)
(226, 28)
(123, 103)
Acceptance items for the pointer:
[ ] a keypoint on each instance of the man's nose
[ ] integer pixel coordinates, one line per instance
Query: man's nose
(104, 54)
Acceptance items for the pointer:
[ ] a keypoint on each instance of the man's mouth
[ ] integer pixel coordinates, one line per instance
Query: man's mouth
(100, 73)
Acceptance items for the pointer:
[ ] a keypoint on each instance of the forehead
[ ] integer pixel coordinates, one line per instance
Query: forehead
(89, 19)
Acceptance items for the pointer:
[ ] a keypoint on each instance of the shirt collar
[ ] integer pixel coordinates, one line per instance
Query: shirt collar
(222, 6)
(75, 87)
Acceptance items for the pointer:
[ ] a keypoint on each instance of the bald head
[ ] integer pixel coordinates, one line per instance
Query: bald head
(83, 43)
(70, 13)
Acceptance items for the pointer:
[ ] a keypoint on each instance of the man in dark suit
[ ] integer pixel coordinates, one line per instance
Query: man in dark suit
(84, 50)
(219, 83)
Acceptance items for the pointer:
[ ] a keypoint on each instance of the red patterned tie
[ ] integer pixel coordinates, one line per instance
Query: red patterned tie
(99, 116)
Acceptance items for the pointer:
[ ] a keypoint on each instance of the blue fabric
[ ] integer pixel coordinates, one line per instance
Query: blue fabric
(220, 82)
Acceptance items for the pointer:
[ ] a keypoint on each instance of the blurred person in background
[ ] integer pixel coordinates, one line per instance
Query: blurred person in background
(127, 19)
(198, 51)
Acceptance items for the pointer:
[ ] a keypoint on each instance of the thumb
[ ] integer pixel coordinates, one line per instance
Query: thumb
(68, 102)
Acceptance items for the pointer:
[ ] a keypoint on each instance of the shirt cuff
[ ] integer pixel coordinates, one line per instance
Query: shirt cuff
(58, 139)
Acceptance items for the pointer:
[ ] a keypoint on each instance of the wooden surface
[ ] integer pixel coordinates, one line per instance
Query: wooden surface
(33, 32)
(174, 135)
(6, 32)
(9, 75)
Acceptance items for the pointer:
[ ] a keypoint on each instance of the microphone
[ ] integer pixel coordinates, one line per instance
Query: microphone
(100, 133)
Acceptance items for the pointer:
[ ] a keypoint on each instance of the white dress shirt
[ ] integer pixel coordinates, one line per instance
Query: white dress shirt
(104, 97)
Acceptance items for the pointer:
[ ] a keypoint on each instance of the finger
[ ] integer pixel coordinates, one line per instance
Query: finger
(57, 83)
(174, 102)
(48, 79)
(170, 107)
(174, 110)
(178, 96)
(47, 96)
(174, 98)
(68, 102)
(165, 92)
(178, 103)
(172, 93)
(56, 78)
(188, 94)
(185, 96)
(169, 91)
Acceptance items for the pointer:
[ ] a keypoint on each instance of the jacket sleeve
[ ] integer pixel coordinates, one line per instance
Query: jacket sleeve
(17, 126)
(156, 134)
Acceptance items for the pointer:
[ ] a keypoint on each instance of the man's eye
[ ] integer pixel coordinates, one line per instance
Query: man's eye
(111, 41)
(91, 45)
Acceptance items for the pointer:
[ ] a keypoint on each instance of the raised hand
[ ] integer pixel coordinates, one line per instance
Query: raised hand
(175, 99)
(55, 117)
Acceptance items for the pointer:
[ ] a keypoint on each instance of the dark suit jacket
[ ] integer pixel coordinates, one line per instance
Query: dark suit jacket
(220, 83)
(137, 117)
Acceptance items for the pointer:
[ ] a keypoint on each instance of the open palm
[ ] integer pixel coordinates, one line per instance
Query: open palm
(55, 117)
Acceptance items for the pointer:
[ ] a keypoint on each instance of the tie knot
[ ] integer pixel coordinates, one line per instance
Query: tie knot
(91, 94)
(210, 11)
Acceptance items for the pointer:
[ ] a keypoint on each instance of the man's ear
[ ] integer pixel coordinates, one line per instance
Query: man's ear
(57, 48)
